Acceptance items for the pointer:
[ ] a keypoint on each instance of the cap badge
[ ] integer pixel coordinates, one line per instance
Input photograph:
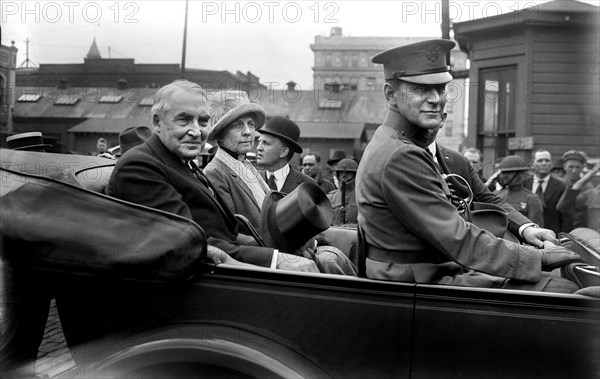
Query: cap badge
(433, 53)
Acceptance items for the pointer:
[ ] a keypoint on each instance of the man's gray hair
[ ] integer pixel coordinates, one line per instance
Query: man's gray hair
(161, 102)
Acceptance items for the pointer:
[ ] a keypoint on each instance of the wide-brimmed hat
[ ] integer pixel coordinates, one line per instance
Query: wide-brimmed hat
(513, 163)
(133, 136)
(337, 156)
(421, 62)
(225, 107)
(289, 221)
(285, 129)
(26, 141)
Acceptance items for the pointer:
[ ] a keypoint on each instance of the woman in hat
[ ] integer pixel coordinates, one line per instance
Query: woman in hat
(513, 172)
(234, 122)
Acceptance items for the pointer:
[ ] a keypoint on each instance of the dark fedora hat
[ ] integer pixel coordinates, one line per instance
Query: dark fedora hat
(289, 221)
(285, 129)
(421, 62)
(32, 141)
(337, 156)
(133, 136)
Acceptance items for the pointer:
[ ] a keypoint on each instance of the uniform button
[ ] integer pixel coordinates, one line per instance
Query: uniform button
(233, 237)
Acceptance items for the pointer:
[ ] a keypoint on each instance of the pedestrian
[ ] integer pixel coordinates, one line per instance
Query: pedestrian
(311, 166)
(549, 190)
(513, 172)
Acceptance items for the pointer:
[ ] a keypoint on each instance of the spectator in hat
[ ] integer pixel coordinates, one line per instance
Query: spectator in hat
(162, 174)
(31, 141)
(573, 163)
(549, 190)
(343, 199)
(234, 122)
(413, 232)
(277, 144)
(558, 170)
(513, 172)
(133, 136)
(328, 170)
(475, 158)
(583, 198)
(311, 166)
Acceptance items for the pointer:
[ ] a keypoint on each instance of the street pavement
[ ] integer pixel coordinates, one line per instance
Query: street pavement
(54, 357)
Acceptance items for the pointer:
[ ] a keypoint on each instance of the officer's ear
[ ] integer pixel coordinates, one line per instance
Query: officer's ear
(388, 92)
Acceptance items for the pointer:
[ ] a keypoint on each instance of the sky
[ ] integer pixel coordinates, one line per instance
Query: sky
(271, 39)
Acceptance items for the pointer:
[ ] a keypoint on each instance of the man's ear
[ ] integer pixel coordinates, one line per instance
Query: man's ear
(155, 121)
(444, 116)
(284, 152)
(388, 92)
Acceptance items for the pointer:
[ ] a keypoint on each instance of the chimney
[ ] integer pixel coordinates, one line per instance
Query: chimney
(291, 85)
(336, 31)
(122, 83)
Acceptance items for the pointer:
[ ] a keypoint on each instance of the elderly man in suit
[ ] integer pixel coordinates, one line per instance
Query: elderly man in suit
(413, 232)
(549, 190)
(161, 174)
(277, 144)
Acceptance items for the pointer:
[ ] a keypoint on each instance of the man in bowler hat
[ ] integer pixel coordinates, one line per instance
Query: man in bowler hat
(413, 231)
(277, 144)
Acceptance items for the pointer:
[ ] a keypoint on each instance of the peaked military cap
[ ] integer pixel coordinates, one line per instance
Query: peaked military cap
(421, 62)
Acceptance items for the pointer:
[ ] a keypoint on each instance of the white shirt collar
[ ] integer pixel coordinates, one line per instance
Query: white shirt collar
(280, 175)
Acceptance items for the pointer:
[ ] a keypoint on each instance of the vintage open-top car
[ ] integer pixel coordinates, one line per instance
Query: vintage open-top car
(138, 298)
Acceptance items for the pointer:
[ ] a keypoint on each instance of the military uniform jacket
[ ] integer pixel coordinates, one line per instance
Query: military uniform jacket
(452, 162)
(150, 175)
(413, 231)
(524, 201)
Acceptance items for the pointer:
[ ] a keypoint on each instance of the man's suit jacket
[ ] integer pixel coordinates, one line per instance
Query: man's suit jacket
(235, 193)
(553, 219)
(151, 175)
(413, 231)
(293, 180)
(452, 162)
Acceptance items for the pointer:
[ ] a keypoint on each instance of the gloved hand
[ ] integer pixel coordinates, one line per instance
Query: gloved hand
(558, 256)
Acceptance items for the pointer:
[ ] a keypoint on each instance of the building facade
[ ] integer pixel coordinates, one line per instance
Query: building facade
(534, 80)
(8, 67)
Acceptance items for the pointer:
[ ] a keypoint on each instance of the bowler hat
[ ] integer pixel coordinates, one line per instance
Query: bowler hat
(421, 62)
(337, 156)
(575, 155)
(133, 136)
(225, 107)
(32, 141)
(513, 163)
(289, 221)
(285, 129)
(347, 164)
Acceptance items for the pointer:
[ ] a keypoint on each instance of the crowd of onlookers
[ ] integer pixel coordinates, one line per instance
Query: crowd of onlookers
(560, 196)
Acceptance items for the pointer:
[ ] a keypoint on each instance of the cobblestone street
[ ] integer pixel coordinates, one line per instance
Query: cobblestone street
(54, 357)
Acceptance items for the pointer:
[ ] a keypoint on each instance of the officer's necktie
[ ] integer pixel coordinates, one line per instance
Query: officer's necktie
(271, 182)
(540, 192)
(437, 165)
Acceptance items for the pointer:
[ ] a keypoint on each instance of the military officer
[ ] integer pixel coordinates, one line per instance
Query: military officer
(413, 232)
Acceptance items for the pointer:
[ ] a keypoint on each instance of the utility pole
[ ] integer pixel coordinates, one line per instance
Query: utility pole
(27, 63)
(446, 23)
(184, 41)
